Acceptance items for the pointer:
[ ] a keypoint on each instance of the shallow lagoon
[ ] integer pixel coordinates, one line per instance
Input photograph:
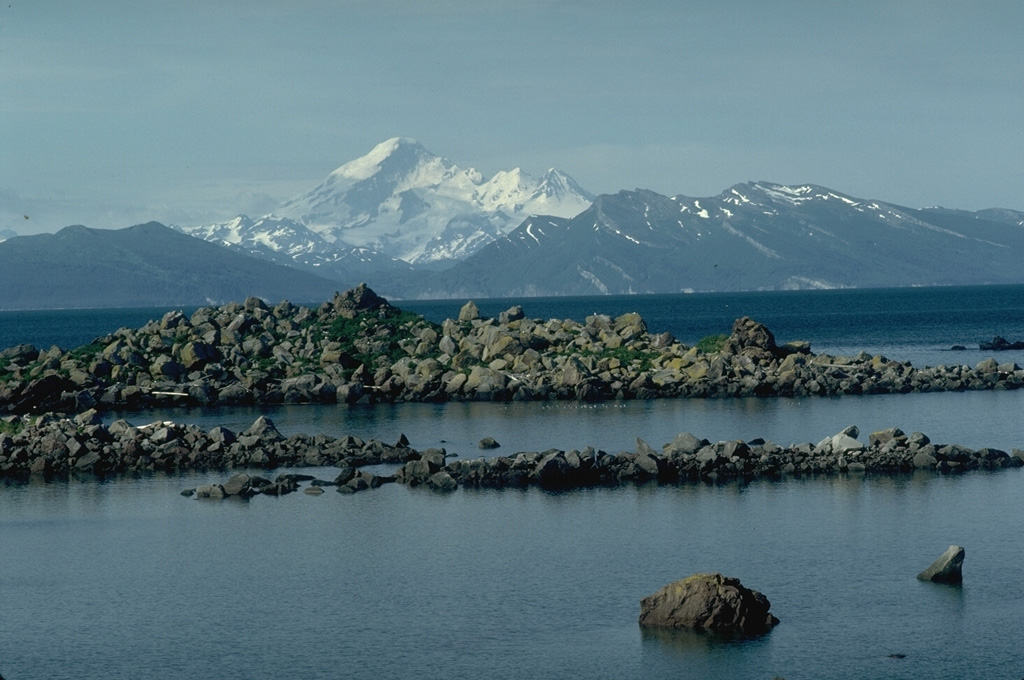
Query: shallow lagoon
(974, 419)
(128, 579)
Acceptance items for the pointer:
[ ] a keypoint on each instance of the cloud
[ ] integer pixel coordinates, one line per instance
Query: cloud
(256, 203)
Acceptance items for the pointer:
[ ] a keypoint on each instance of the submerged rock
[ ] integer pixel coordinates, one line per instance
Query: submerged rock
(710, 603)
(947, 569)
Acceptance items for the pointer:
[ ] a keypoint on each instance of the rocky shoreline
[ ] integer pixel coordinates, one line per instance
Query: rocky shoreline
(50, 447)
(359, 348)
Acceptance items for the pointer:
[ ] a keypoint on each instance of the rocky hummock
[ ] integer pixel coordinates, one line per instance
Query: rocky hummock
(709, 603)
(357, 347)
(51, 447)
(948, 568)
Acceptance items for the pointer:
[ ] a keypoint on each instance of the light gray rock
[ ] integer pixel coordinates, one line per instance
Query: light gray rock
(844, 443)
(237, 484)
(924, 460)
(947, 569)
(210, 491)
(684, 443)
(882, 437)
(469, 312)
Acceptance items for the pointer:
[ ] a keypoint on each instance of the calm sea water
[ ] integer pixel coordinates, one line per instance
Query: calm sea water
(128, 579)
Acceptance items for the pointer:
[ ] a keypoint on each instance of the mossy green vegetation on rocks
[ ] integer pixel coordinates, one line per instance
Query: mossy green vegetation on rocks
(376, 338)
(624, 356)
(711, 344)
(11, 426)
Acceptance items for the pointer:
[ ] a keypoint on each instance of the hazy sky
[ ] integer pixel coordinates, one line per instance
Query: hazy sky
(117, 112)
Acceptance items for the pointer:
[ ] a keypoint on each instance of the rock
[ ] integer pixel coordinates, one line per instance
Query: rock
(710, 603)
(882, 437)
(442, 481)
(924, 460)
(354, 485)
(796, 347)
(845, 443)
(947, 569)
(514, 313)
(263, 429)
(469, 312)
(90, 462)
(684, 443)
(751, 338)
(1000, 343)
(987, 366)
(89, 417)
(210, 491)
(359, 299)
(488, 443)
(237, 485)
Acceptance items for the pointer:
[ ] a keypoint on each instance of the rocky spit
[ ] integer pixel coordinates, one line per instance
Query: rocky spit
(359, 348)
(51, 447)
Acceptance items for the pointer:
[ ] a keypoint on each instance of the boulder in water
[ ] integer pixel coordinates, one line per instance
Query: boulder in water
(947, 569)
(710, 603)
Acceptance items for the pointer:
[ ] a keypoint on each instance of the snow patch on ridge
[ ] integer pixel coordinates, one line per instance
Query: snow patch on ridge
(366, 166)
(760, 247)
(594, 281)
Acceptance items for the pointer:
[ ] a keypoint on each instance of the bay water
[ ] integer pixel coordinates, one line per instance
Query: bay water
(125, 578)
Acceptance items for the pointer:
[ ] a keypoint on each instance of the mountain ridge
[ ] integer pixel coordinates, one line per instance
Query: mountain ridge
(752, 236)
(420, 226)
(139, 266)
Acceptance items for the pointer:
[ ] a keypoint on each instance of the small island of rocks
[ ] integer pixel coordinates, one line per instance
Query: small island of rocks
(358, 348)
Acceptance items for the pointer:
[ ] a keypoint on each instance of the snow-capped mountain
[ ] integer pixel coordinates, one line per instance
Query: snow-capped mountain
(285, 241)
(269, 235)
(410, 204)
(753, 236)
(7, 233)
(375, 218)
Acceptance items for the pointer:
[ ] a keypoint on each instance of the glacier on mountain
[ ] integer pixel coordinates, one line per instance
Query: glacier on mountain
(397, 205)
(410, 204)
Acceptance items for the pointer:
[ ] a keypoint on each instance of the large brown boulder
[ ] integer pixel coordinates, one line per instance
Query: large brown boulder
(360, 299)
(752, 339)
(708, 603)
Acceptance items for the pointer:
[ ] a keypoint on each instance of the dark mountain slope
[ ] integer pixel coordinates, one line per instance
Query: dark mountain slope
(753, 236)
(144, 265)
